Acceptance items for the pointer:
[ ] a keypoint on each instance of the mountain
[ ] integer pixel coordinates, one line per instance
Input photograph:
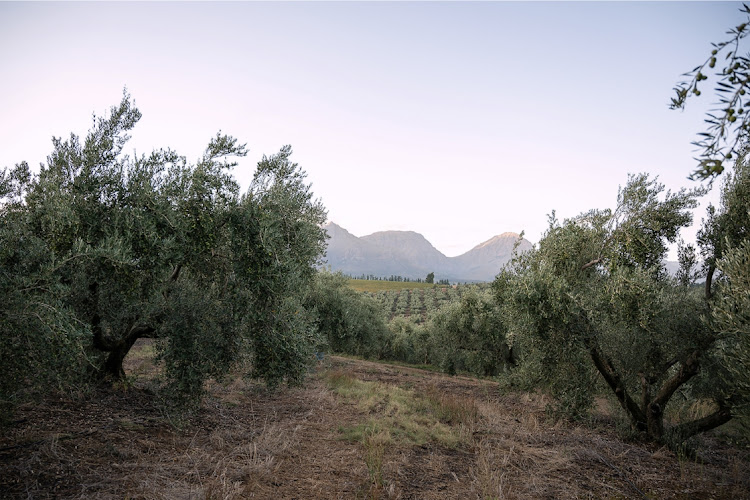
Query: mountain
(409, 254)
(486, 259)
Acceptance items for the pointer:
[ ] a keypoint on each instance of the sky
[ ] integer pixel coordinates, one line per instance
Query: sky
(457, 120)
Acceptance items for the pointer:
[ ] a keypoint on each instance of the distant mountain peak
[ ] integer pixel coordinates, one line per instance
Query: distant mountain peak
(331, 224)
(499, 237)
(410, 254)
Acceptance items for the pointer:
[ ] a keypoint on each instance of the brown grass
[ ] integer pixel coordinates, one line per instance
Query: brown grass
(247, 442)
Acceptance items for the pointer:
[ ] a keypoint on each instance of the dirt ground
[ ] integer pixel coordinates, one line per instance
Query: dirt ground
(248, 442)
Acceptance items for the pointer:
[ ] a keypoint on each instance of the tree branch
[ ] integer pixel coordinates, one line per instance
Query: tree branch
(176, 273)
(688, 370)
(669, 364)
(592, 263)
(645, 390)
(615, 383)
(690, 429)
(709, 280)
(141, 332)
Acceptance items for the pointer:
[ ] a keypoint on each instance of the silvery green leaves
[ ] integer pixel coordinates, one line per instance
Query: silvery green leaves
(593, 301)
(727, 125)
(116, 248)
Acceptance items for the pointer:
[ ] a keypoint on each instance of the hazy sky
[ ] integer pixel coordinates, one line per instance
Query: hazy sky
(457, 120)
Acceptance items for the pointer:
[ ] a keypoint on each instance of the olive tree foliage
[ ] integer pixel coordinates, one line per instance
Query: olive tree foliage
(408, 342)
(728, 225)
(593, 302)
(470, 336)
(100, 249)
(348, 321)
(42, 344)
(725, 243)
(731, 315)
(724, 238)
(728, 125)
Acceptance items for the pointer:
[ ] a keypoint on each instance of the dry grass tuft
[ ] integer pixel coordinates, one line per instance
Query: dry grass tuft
(339, 379)
(453, 409)
(488, 473)
(375, 442)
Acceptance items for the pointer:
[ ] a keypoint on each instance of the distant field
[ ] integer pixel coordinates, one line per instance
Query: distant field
(377, 286)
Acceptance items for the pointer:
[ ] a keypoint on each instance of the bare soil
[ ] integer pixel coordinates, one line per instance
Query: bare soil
(248, 442)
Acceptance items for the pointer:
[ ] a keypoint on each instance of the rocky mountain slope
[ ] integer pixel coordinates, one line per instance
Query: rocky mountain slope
(409, 254)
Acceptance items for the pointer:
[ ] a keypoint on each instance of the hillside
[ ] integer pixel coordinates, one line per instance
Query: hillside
(409, 254)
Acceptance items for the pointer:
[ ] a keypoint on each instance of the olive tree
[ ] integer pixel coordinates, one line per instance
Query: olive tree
(725, 243)
(120, 248)
(408, 341)
(349, 321)
(728, 225)
(731, 315)
(593, 301)
(726, 232)
(470, 335)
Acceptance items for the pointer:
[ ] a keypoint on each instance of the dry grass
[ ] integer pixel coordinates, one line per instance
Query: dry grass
(405, 417)
(375, 441)
(247, 442)
(489, 473)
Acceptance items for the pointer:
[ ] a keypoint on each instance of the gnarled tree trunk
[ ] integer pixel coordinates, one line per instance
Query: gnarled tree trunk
(118, 350)
(648, 417)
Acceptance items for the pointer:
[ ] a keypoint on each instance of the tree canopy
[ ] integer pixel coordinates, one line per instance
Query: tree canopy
(593, 303)
(100, 249)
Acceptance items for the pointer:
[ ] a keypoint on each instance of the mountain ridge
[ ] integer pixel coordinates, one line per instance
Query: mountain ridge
(411, 255)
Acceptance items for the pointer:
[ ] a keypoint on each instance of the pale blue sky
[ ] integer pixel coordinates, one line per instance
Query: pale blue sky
(453, 119)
